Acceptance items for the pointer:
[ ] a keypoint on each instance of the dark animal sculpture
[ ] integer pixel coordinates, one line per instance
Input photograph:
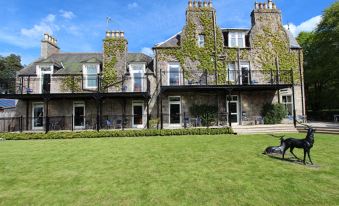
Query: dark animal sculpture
(276, 149)
(305, 144)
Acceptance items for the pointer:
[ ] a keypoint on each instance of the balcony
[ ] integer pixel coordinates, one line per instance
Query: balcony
(245, 79)
(72, 84)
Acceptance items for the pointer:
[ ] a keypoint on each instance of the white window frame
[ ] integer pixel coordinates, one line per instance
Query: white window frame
(237, 36)
(85, 73)
(40, 74)
(287, 103)
(134, 71)
(201, 40)
(229, 72)
(79, 103)
(247, 66)
(173, 65)
(169, 110)
(238, 106)
(138, 103)
(34, 105)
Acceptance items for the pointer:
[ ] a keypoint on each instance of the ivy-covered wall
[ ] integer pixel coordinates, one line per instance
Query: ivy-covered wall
(268, 42)
(192, 58)
(114, 61)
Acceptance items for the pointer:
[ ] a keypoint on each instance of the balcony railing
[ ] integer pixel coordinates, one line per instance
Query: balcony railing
(72, 84)
(228, 77)
(70, 123)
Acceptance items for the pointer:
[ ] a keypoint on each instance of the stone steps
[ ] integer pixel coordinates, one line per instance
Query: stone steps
(323, 130)
(265, 129)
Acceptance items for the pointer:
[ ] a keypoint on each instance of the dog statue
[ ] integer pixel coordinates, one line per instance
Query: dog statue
(275, 149)
(306, 144)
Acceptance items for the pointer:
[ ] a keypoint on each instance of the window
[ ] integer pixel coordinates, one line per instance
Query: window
(201, 40)
(91, 76)
(174, 74)
(287, 102)
(137, 72)
(236, 39)
(231, 72)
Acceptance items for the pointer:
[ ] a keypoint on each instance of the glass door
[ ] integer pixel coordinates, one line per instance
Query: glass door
(79, 115)
(138, 115)
(46, 84)
(233, 109)
(175, 110)
(38, 116)
(245, 74)
(174, 75)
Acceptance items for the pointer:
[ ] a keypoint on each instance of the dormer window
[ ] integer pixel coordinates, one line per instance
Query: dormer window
(90, 72)
(236, 39)
(201, 40)
(44, 73)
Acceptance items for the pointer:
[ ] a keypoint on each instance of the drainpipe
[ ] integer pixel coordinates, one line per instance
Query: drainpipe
(293, 95)
(215, 48)
(301, 83)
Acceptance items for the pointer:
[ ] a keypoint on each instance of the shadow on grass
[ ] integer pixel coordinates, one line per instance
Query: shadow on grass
(293, 160)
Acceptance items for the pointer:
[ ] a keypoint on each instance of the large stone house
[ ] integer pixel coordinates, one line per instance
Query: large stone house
(230, 72)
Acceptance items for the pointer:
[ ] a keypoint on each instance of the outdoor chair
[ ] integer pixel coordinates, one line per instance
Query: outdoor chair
(118, 124)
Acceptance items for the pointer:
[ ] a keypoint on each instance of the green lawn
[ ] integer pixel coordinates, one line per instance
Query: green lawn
(184, 170)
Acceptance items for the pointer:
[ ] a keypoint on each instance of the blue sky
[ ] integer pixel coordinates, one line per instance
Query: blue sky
(80, 25)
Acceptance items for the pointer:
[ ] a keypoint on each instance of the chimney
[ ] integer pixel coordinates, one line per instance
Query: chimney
(115, 46)
(48, 46)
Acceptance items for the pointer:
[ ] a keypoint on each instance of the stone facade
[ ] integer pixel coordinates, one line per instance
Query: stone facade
(268, 51)
(236, 71)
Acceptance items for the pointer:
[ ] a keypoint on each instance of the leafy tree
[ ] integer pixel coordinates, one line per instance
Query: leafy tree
(8, 68)
(321, 53)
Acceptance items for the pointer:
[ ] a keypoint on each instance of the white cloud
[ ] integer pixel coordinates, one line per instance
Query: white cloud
(67, 14)
(47, 24)
(148, 51)
(307, 26)
(132, 5)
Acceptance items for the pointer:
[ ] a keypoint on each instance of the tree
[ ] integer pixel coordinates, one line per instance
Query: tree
(321, 65)
(9, 66)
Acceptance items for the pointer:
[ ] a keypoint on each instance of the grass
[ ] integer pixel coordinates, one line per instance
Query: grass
(184, 170)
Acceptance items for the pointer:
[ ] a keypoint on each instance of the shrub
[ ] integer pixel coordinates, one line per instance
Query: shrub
(207, 113)
(273, 113)
(116, 133)
(154, 123)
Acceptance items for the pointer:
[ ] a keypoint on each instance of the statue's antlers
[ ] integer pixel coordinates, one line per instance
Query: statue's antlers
(304, 125)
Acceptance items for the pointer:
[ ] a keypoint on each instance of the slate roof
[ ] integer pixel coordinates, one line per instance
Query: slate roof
(71, 63)
(7, 103)
(174, 41)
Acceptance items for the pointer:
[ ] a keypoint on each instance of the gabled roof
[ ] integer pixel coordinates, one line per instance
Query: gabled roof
(293, 42)
(174, 41)
(71, 63)
(7, 103)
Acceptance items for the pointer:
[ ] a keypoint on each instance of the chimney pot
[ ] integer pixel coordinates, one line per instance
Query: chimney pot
(270, 4)
(190, 3)
(265, 6)
(194, 3)
(205, 3)
(199, 4)
(210, 3)
(274, 6)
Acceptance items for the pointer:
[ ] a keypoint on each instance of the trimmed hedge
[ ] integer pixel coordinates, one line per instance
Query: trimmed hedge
(116, 133)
